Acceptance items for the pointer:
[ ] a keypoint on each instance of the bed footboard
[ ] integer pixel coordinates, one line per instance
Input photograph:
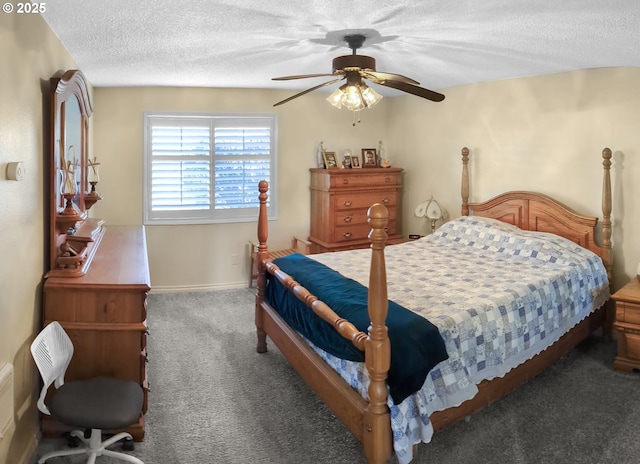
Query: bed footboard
(368, 421)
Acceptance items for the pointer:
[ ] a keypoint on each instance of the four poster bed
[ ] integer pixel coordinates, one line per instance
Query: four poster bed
(541, 295)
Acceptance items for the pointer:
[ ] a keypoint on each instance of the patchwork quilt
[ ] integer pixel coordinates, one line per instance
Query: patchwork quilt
(497, 294)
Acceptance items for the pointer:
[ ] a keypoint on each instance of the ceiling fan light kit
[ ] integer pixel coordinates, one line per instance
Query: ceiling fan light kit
(355, 95)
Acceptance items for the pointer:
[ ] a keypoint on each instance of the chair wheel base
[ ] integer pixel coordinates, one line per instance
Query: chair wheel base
(128, 445)
(72, 440)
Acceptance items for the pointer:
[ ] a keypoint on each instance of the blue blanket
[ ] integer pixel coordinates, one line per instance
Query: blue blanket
(416, 344)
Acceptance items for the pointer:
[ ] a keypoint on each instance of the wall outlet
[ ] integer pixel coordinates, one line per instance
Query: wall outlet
(234, 259)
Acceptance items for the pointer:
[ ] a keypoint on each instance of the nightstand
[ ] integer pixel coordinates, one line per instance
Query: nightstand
(627, 324)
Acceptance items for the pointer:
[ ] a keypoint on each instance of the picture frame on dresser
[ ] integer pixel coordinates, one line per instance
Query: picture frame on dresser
(369, 159)
(330, 159)
(355, 162)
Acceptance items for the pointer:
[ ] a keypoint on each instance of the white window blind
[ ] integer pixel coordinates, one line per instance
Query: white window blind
(206, 168)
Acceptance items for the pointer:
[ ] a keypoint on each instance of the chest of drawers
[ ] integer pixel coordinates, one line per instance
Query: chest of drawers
(627, 325)
(340, 199)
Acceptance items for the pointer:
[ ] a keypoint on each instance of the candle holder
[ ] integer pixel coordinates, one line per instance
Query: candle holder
(93, 177)
(68, 217)
(92, 197)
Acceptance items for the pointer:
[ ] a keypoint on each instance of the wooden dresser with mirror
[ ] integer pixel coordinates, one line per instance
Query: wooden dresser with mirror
(98, 275)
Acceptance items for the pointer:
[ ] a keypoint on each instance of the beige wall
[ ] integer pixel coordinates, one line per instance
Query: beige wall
(542, 133)
(203, 256)
(30, 54)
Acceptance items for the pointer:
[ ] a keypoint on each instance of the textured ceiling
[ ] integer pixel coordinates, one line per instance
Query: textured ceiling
(243, 43)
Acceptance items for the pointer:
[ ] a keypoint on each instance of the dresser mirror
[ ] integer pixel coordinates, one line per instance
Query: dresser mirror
(73, 237)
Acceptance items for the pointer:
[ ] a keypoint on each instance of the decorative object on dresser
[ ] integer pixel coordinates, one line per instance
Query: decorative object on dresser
(320, 155)
(339, 202)
(346, 159)
(627, 325)
(432, 210)
(330, 160)
(93, 177)
(383, 156)
(369, 158)
(98, 276)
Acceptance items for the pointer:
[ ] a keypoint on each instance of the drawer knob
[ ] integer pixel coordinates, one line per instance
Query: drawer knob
(387, 179)
(347, 235)
(347, 203)
(348, 219)
(385, 201)
(345, 180)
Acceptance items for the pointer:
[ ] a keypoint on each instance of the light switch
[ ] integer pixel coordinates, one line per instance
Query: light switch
(15, 171)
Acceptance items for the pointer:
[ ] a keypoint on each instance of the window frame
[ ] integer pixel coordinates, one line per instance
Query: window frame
(209, 215)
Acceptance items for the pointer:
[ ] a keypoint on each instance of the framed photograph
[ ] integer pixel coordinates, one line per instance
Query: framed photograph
(369, 158)
(346, 161)
(330, 160)
(355, 162)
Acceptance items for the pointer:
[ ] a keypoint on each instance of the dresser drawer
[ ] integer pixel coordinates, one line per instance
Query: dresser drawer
(347, 217)
(628, 312)
(358, 231)
(348, 201)
(632, 342)
(76, 305)
(379, 179)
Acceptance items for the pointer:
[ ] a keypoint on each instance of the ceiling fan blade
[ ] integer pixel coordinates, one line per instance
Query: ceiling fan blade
(382, 76)
(302, 76)
(414, 90)
(308, 90)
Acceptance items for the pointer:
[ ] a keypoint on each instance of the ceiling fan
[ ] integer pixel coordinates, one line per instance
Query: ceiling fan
(355, 94)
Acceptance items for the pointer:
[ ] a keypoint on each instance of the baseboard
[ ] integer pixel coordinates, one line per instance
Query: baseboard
(198, 288)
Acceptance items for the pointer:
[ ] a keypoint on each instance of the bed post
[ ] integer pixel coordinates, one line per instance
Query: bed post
(377, 433)
(465, 181)
(607, 256)
(262, 254)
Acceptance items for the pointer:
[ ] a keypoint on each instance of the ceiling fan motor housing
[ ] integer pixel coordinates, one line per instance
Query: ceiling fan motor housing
(343, 63)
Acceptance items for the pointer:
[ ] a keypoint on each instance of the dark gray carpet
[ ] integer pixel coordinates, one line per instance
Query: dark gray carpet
(215, 400)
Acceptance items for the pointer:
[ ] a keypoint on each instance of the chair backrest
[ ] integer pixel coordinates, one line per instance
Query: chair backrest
(52, 351)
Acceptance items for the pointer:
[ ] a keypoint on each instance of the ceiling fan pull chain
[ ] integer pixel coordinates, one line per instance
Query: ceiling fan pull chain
(356, 117)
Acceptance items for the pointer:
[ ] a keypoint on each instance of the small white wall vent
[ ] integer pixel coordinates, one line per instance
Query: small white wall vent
(6, 398)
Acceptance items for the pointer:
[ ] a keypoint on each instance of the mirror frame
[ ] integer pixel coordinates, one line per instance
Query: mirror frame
(68, 211)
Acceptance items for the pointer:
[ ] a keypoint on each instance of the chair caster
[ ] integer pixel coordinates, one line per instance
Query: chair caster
(72, 440)
(127, 444)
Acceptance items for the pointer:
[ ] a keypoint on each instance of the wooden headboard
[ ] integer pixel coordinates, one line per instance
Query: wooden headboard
(539, 212)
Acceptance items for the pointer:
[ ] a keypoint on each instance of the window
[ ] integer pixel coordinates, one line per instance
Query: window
(205, 168)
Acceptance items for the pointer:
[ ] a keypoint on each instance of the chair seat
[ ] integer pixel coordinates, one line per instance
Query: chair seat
(98, 403)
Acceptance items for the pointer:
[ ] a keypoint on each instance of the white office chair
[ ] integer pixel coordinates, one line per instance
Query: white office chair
(96, 404)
